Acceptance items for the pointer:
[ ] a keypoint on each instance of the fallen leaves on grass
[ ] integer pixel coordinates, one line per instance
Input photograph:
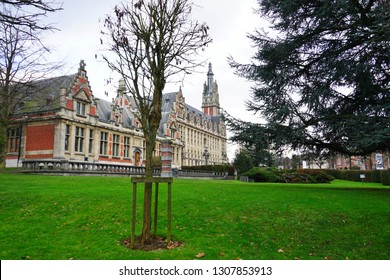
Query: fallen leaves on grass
(156, 243)
(200, 255)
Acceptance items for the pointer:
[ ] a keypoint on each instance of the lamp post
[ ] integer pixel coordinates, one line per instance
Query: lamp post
(206, 155)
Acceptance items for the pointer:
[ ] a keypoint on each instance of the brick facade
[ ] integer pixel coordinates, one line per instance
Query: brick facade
(73, 125)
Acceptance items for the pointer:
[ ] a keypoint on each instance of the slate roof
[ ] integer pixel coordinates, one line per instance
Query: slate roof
(44, 95)
(104, 112)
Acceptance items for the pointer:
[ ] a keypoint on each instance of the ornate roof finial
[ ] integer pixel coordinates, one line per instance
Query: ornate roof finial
(121, 86)
(82, 65)
(210, 69)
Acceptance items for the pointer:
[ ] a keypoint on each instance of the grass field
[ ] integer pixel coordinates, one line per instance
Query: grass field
(54, 217)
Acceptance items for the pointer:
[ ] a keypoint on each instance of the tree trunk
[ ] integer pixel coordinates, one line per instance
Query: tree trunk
(3, 144)
(146, 230)
(147, 222)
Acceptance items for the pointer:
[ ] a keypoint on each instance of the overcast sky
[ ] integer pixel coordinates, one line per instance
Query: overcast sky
(229, 21)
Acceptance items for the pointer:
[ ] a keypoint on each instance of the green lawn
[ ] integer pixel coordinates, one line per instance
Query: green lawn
(50, 217)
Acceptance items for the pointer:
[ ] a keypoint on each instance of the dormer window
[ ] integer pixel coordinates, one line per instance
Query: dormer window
(80, 108)
(173, 134)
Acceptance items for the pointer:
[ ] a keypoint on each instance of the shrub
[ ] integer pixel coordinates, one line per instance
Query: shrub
(261, 175)
(296, 177)
(319, 176)
(288, 176)
(323, 177)
(385, 177)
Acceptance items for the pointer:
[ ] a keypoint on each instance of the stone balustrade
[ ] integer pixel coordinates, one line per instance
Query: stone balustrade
(199, 174)
(82, 167)
(62, 167)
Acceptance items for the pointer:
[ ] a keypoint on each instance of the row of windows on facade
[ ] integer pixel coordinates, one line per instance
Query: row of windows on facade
(194, 156)
(80, 137)
(115, 152)
(195, 137)
(13, 141)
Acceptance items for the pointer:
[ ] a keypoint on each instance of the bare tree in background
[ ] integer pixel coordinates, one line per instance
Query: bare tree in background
(152, 42)
(22, 59)
(30, 13)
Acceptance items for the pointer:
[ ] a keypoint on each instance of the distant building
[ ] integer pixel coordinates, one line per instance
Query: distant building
(65, 122)
(374, 161)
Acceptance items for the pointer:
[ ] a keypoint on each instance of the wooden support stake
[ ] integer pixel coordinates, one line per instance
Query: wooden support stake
(133, 214)
(136, 180)
(169, 212)
(155, 209)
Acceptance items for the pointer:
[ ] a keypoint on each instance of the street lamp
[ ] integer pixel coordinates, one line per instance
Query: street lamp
(206, 155)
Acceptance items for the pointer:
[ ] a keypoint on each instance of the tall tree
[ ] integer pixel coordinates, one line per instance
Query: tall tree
(323, 75)
(22, 64)
(253, 137)
(152, 41)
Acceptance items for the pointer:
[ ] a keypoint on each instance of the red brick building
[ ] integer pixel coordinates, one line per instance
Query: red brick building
(65, 124)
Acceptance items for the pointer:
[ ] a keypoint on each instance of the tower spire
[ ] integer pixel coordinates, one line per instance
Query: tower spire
(210, 102)
(210, 80)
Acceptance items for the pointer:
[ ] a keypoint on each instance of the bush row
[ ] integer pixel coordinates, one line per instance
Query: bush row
(385, 176)
(354, 175)
(257, 174)
(214, 168)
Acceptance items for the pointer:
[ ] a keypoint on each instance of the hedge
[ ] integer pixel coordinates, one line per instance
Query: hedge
(354, 175)
(257, 174)
(385, 176)
(214, 168)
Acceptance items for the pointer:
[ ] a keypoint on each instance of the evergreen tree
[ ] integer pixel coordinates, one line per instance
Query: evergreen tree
(323, 81)
(253, 137)
(243, 161)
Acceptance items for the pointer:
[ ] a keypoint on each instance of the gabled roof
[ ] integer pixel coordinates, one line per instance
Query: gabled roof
(104, 111)
(44, 95)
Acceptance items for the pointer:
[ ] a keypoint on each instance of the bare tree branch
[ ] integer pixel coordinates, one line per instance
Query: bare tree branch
(29, 13)
(22, 65)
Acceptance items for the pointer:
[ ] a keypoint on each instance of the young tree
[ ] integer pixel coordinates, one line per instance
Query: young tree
(323, 78)
(22, 64)
(152, 41)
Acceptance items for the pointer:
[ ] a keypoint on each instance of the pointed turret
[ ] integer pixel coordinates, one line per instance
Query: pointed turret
(210, 80)
(210, 102)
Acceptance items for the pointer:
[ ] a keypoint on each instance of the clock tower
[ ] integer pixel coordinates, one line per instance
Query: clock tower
(210, 102)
